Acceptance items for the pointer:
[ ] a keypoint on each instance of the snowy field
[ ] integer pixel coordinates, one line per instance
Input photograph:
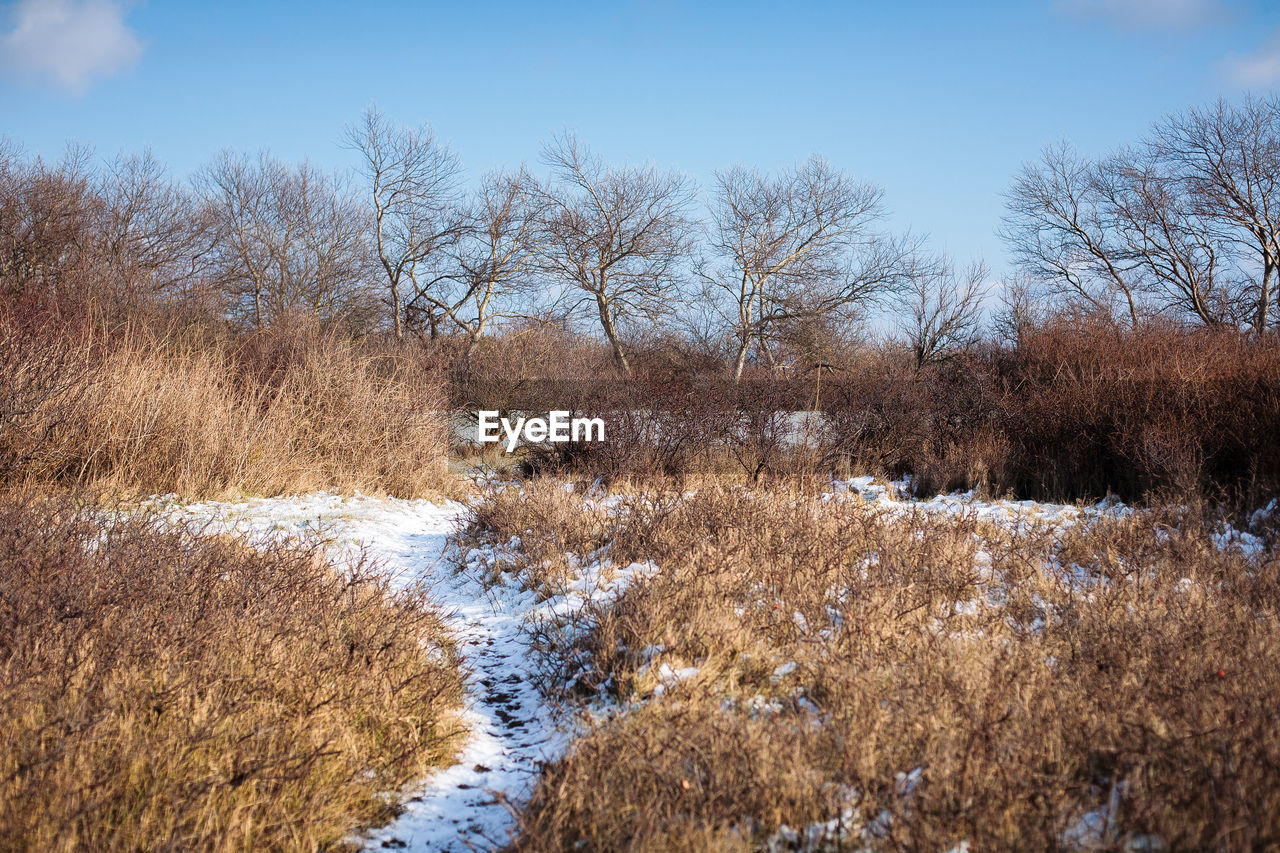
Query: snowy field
(513, 730)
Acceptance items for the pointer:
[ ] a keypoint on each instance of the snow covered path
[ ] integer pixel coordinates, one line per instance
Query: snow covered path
(511, 729)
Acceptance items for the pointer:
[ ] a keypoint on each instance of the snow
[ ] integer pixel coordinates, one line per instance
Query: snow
(1014, 515)
(782, 671)
(669, 676)
(818, 836)
(1227, 538)
(512, 730)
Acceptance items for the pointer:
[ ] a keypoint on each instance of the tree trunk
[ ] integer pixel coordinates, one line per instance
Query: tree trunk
(611, 333)
(475, 333)
(1133, 308)
(1264, 296)
(739, 361)
(764, 348)
(395, 310)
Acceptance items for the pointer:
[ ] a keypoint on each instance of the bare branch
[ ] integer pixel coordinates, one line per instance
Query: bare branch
(942, 309)
(794, 247)
(413, 184)
(615, 236)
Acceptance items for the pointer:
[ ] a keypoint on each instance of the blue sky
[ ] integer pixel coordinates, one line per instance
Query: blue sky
(938, 102)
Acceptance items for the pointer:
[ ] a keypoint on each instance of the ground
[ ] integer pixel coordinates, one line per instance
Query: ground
(514, 730)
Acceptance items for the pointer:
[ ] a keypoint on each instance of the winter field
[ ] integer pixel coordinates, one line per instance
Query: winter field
(900, 676)
(796, 532)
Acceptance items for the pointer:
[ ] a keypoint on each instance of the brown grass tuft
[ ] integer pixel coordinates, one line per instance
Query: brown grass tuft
(162, 689)
(931, 679)
(285, 413)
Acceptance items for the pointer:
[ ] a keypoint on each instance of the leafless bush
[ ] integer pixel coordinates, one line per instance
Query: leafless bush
(163, 688)
(939, 425)
(917, 680)
(45, 369)
(1090, 408)
(47, 223)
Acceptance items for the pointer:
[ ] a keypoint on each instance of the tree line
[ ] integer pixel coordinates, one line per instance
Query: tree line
(1183, 225)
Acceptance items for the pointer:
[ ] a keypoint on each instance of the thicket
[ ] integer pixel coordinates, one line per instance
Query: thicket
(904, 680)
(1074, 408)
(165, 688)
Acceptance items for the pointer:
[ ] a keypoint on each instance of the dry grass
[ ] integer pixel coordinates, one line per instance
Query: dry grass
(954, 679)
(553, 526)
(161, 689)
(284, 413)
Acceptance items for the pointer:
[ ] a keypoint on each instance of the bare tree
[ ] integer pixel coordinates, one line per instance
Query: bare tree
(492, 260)
(157, 237)
(289, 239)
(48, 215)
(1227, 159)
(1059, 227)
(239, 194)
(1176, 255)
(414, 185)
(795, 247)
(1020, 310)
(615, 236)
(1187, 222)
(942, 309)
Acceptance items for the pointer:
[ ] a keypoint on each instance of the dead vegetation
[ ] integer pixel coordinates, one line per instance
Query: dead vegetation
(1070, 408)
(138, 412)
(922, 680)
(164, 689)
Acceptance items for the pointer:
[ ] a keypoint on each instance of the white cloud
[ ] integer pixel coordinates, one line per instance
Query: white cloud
(71, 41)
(1145, 14)
(1259, 69)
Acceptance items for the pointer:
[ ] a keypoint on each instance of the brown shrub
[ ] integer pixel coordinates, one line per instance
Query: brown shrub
(940, 678)
(163, 689)
(1166, 410)
(1077, 409)
(938, 424)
